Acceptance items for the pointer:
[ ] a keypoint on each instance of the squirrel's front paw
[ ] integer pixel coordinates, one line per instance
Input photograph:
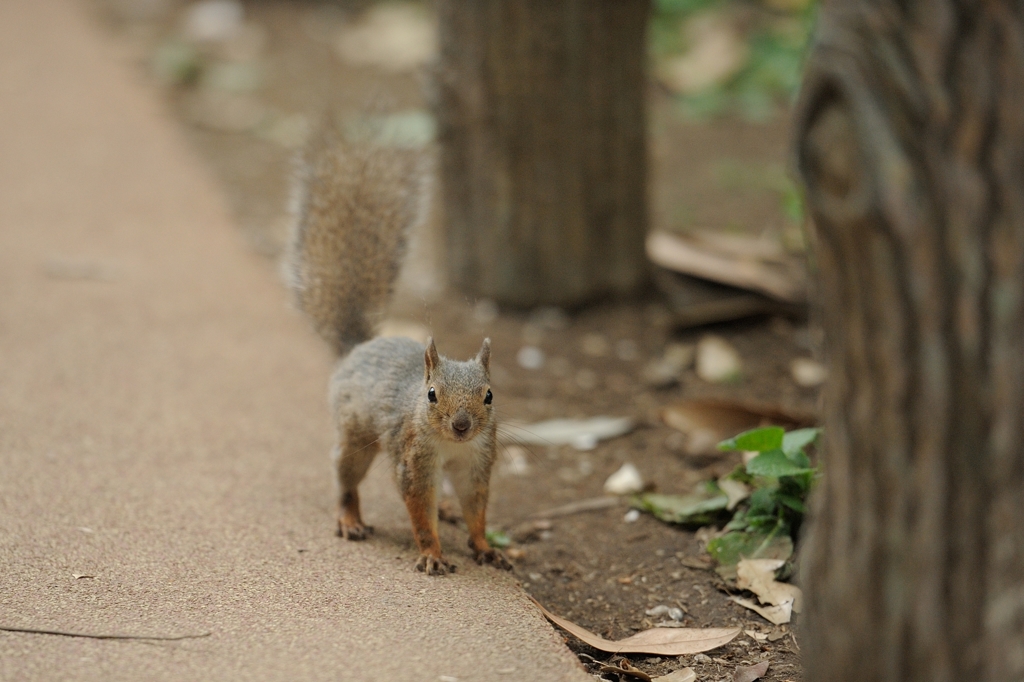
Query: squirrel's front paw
(494, 558)
(434, 565)
(353, 531)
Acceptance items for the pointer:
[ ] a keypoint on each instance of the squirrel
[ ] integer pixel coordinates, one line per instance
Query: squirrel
(352, 207)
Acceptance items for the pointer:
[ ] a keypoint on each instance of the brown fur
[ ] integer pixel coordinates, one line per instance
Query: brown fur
(353, 208)
(353, 205)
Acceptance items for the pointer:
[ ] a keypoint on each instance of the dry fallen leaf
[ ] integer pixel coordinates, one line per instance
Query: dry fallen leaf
(681, 675)
(750, 673)
(701, 563)
(575, 432)
(778, 615)
(657, 641)
(626, 668)
(734, 490)
(756, 636)
(758, 576)
(705, 423)
(783, 282)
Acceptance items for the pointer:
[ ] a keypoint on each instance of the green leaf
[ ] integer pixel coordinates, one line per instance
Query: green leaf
(762, 502)
(694, 509)
(740, 474)
(795, 441)
(775, 463)
(498, 539)
(794, 503)
(800, 459)
(732, 547)
(764, 438)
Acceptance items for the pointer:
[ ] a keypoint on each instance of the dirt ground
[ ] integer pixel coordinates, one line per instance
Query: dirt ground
(593, 568)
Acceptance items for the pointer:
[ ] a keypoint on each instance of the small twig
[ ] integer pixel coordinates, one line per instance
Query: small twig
(62, 633)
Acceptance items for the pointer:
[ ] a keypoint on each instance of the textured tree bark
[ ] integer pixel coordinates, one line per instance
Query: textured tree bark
(911, 145)
(543, 160)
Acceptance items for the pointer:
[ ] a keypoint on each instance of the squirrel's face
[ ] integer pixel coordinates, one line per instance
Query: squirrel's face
(458, 394)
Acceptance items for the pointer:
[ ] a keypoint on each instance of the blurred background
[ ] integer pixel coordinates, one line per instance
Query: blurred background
(698, 331)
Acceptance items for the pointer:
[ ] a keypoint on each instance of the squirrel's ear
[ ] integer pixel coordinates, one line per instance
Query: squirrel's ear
(430, 358)
(484, 356)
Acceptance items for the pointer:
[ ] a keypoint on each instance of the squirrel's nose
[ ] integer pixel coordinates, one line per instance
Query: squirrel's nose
(461, 423)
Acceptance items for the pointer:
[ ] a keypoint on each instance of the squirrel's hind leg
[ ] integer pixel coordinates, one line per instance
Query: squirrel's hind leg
(353, 456)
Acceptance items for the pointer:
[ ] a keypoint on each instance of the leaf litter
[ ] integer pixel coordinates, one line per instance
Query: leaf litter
(778, 600)
(625, 668)
(582, 434)
(681, 675)
(659, 641)
(758, 576)
(705, 423)
(750, 673)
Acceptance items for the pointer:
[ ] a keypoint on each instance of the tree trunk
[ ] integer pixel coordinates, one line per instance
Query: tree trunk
(911, 145)
(543, 158)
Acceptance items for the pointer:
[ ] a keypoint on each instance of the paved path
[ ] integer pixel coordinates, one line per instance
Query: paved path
(163, 426)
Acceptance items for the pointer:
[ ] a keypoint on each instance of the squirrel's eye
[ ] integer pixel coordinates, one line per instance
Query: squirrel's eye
(488, 398)
(431, 395)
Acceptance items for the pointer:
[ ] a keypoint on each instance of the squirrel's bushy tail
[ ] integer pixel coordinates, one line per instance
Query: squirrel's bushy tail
(352, 206)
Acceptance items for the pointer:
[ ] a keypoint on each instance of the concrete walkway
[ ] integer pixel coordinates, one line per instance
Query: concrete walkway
(163, 426)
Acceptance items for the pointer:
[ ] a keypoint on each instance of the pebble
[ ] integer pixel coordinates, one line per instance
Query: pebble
(702, 658)
(717, 361)
(530, 357)
(632, 516)
(673, 612)
(665, 371)
(214, 20)
(808, 373)
(625, 481)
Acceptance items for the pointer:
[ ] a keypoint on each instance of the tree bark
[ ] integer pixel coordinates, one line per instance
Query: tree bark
(543, 155)
(910, 141)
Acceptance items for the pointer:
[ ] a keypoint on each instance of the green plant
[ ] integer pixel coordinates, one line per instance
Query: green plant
(761, 503)
(779, 477)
